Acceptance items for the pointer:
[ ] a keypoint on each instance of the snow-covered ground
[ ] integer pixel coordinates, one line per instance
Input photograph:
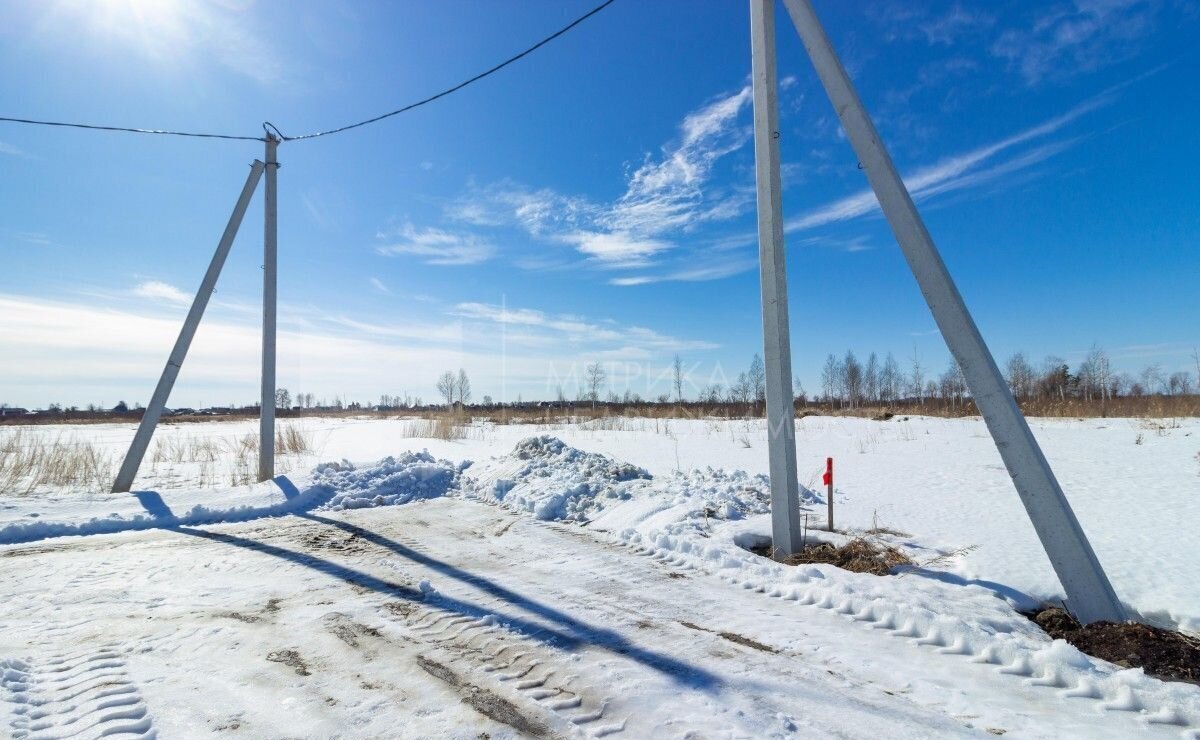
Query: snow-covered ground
(586, 580)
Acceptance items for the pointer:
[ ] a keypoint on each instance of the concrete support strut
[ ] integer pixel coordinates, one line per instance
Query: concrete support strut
(1091, 596)
(777, 350)
(141, 440)
(266, 416)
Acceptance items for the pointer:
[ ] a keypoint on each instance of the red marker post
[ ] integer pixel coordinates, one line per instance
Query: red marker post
(828, 479)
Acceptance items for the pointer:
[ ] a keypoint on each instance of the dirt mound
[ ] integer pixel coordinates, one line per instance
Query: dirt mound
(1161, 653)
(858, 555)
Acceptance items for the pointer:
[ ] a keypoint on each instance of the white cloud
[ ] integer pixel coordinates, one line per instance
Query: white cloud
(1067, 39)
(957, 23)
(952, 173)
(634, 280)
(700, 269)
(12, 151)
(377, 284)
(670, 194)
(667, 194)
(539, 212)
(615, 249)
(436, 246)
(156, 290)
(90, 351)
(576, 329)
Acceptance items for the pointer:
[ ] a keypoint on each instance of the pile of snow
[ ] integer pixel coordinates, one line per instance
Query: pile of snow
(551, 480)
(390, 482)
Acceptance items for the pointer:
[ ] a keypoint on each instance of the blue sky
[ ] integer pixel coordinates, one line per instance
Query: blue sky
(593, 202)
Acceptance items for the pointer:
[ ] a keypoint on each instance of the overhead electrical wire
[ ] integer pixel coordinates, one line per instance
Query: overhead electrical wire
(269, 127)
(457, 87)
(161, 132)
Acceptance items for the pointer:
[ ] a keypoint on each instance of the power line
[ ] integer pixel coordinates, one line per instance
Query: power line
(97, 127)
(457, 87)
(270, 128)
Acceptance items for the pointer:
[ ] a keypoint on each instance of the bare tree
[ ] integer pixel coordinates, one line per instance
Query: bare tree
(462, 387)
(677, 367)
(852, 379)
(283, 399)
(889, 380)
(595, 376)
(447, 386)
(871, 379)
(758, 378)
(917, 378)
(830, 374)
(742, 390)
(1094, 375)
(1020, 376)
(952, 384)
(1180, 383)
(1153, 380)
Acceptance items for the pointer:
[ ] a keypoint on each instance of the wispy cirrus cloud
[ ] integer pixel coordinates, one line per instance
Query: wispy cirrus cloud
(436, 246)
(12, 151)
(578, 330)
(957, 172)
(666, 196)
(1066, 39)
(670, 192)
(711, 268)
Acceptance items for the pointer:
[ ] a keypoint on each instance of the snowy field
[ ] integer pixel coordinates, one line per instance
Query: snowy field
(584, 580)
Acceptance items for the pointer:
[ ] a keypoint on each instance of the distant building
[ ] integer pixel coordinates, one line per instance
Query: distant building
(13, 411)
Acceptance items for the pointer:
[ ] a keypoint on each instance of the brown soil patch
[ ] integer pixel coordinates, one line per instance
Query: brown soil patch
(1161, 653)
(858, 555)
(743, 640)
(290, 658)
(732, 637)
(484, 701)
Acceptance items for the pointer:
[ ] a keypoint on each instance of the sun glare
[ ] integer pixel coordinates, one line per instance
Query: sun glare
(155, 27)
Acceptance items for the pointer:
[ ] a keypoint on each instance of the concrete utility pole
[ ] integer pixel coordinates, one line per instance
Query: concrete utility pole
(141, 440)
(777, 350)
(1090, 594)
(266, 415)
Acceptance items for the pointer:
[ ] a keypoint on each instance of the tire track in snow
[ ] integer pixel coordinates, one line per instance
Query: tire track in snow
(513, 665)
(81, 695)
(1034, 668)
(516, 676)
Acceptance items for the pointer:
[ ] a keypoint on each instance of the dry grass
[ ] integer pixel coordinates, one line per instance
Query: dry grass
(292, 440)
(29, 461)
(859, 555)
(449, 426)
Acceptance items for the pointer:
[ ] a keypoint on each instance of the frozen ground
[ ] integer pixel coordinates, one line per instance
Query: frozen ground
(547, 589)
